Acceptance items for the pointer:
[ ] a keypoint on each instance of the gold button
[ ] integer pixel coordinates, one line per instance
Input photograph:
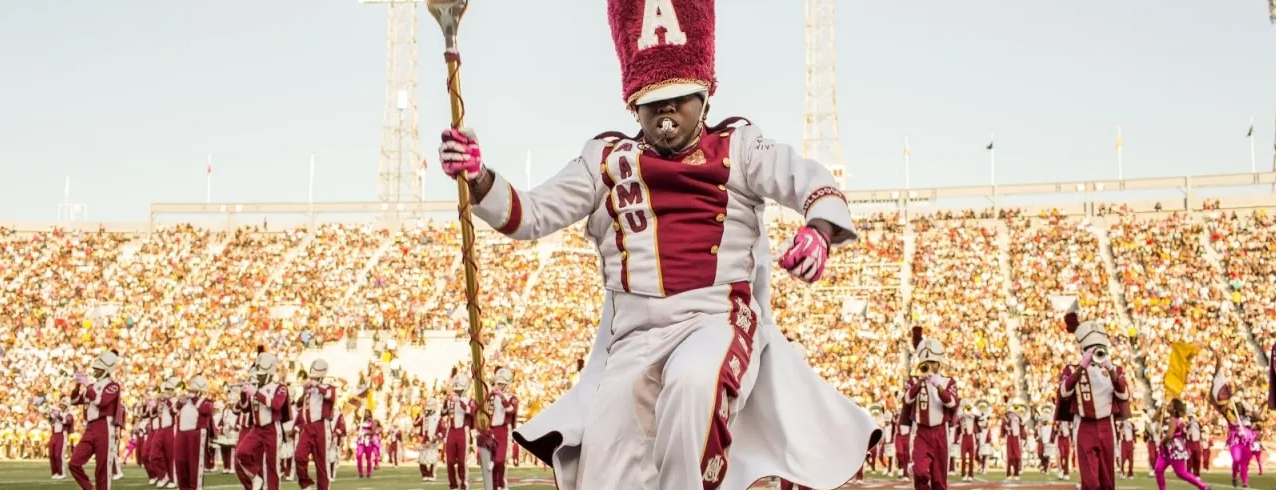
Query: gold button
(713, 250)
(721, 217)
(615, 225)
(602, 169)
(722, 187)
(624, 255)
(724, 134)
(726, 162)
(611, 145)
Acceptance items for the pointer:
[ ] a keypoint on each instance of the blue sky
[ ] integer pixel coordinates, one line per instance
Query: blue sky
(128, 97)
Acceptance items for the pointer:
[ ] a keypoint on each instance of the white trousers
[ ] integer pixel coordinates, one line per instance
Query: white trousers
(661, 417)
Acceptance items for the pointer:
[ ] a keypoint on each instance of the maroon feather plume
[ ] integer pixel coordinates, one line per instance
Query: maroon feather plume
(1071, 322)
(917, 337)
(261, 349)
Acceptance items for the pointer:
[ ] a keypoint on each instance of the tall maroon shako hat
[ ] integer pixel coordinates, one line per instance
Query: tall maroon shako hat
(665, 47)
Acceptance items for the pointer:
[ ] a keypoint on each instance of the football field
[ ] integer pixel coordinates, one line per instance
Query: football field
(35, 476)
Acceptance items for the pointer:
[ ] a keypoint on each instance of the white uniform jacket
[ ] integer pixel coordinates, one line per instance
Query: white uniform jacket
(819, 441)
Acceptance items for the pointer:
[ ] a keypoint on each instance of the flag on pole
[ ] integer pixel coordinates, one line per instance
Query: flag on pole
(989, 147)
(1119, 143)
(907, 151)
(1181, 355)
(425, 163)
(1250, 134)
(209, 170)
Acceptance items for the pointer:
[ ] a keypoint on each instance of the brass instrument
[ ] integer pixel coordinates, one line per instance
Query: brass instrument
(922, 369)
(1100, 353)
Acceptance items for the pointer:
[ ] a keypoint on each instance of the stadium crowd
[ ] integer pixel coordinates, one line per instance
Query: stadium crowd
(186, 300)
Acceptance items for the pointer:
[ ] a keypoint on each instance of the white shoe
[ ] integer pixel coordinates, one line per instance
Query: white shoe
(161, 483)
(118, 476)
(171, 485)
(258, 483)
(150, 482)
(55, 477)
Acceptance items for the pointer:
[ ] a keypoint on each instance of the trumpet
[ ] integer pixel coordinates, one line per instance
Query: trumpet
(922, 370)
(1100, 353)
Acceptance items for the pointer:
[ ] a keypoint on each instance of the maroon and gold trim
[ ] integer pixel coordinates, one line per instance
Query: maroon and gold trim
(822, 193)
(610, 182)
(514, 214)
(744, 325)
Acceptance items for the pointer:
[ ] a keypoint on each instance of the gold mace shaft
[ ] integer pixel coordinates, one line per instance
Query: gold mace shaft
(468, 260)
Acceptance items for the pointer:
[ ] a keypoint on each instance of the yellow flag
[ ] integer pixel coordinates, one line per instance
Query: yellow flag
(1181, 354)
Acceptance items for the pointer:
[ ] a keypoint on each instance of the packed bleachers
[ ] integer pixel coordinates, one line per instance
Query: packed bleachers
(186, 300)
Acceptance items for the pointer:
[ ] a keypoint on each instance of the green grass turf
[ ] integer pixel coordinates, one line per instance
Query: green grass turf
(35, 476)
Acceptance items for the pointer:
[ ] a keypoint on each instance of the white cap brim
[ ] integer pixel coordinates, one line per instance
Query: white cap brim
(671, 91)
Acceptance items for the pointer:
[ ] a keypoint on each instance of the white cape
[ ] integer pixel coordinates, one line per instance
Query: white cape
(791, 424)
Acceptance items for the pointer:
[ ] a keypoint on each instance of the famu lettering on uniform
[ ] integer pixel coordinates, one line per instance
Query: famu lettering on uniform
(659, 14)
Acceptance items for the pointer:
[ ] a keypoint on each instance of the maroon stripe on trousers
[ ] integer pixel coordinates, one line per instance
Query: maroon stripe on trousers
(744, 323)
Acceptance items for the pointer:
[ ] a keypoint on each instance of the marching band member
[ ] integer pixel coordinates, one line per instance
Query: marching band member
(163, 455)
(1012, 431)
(100, 395)
(136, 442)
(1125, 435)
(875, 454)
(1240, 437)
(1047, 446)
(984, 409)
(674, 305)
(1151, 438)
(425, 427)
(502, 406)
(1094, 392)
(61, 423)
(266, 403)
(967, 433)
(121, 415)
(395, 439)
(339, 434)
(288, 443)
(1193, 432)
(455, 424)
(363, 444)
(903, 443)
(1172, 450)
(194, 422)
(930, 403)
(316, 423)
(888, 423)
(225, 434)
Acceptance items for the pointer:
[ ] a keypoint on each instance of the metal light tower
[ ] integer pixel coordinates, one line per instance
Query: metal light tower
(398, 177)
(820, 141)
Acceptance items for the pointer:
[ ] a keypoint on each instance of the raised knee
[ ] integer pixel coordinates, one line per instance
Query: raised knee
(686, 380)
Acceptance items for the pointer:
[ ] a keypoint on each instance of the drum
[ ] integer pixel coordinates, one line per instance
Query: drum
(889, 448)
(985, 450)
(1052, 451)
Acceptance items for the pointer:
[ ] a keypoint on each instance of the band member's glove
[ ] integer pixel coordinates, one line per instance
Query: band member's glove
(804, 255)
(460, 155)
(82, 378)
(934, 380)
(249, 390)
(1107, 364)
(1086, 357)
(310, 383)
(151, 403)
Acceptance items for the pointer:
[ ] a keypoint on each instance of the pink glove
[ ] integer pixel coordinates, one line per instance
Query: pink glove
(82, 378)
(934, 380)
(150, 403)
(1107, 364)
(249, 390)
(805, 254)
(460, 154)
(311, 384)
(1086, 358)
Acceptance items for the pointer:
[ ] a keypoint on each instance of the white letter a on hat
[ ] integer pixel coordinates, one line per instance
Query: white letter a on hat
(658, 14)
